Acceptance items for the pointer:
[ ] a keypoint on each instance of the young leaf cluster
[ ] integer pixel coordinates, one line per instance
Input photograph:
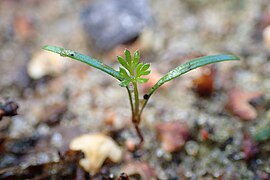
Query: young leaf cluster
(131, 69)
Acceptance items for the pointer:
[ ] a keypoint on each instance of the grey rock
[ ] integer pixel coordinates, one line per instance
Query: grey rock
(112, 22)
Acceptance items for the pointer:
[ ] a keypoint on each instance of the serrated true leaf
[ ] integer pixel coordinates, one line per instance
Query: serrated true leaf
(136, 57)
(123, 62)
(85, 59)
(124, 73)
(142, 80)
(145, 73)
(124, 83)
(145, 67)
(138, 69)
(188, 66)
(128, 56)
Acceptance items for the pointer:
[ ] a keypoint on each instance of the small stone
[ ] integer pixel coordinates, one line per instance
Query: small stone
(239, 103)
(110, 118)
(9, 108)
(173, 135)
(130, 145)
(139, 168)
(204, 84)
(44, 64)
(204, 134)
(192, 148)
(266, 36)
(249, 147)
(96, 148)
(54, 113)
(23, 27)
(110, 23)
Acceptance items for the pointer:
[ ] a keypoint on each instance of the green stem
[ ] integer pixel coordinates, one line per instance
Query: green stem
(136, 118)
(131, 102)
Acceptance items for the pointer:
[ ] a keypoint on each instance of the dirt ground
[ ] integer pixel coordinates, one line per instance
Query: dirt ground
(228, 130)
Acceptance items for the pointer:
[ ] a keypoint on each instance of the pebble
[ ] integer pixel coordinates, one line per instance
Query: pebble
(239, 104)
(96, 148)
(266, 36)
(129, 20)
(45, 64)
(192, 148)
(173, 135)
(142, 169)
(204, 83)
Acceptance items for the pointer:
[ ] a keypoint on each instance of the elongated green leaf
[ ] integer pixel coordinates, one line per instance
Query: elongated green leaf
(85, 59)
(190, 65)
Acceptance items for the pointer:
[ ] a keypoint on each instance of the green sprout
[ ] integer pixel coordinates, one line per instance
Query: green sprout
(131, 73)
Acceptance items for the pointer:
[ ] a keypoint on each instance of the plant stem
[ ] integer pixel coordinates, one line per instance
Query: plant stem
(140, 136)
(136, 118)
(131, 102)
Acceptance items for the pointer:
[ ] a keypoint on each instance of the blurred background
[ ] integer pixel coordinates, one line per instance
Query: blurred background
(218, 115)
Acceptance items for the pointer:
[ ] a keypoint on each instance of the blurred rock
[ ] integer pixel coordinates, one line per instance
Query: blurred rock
(192, 148)
(21, 146)
(23, 28)
(262, 134)
(204, 134)
(130, 145)
(9, 108)
(239, 103)
(45, 64)
(266, 36)
(204, 84)
(141, 169)
(249, 147)
(97, 148)
(173, 135)
(123, 176)
(65, 167)
(54, 113)
(113, 22)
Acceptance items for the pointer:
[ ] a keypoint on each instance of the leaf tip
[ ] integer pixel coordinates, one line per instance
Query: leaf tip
(45, 47)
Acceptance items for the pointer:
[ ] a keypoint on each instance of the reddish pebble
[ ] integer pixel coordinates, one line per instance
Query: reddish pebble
(141, 169)
(204, 84)
(130, 145)
(173, 135)
(204, 134)
(239, 104)
(249, 147)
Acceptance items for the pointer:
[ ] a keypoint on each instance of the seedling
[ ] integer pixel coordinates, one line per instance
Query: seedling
(131, 73)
